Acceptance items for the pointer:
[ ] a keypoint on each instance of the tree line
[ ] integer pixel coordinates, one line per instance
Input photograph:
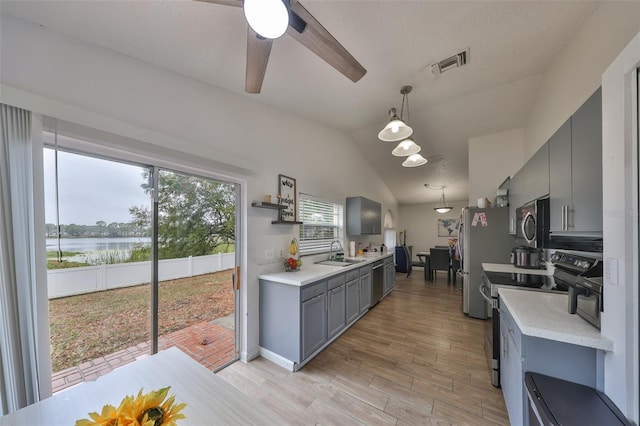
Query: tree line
(196, 217)
(100, 229)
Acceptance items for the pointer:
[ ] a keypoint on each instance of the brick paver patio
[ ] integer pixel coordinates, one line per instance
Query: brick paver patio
(210, 344)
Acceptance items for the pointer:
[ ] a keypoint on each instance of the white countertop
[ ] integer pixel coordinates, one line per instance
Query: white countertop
(210, 400)
(508, 267)
(545, 315)
(310, 272)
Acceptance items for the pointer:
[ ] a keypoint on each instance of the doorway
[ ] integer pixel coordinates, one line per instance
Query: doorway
(129, 273)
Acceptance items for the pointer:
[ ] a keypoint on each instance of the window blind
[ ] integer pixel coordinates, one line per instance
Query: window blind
(322, 223)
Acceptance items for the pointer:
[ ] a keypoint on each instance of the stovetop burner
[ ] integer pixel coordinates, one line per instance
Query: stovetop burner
(532, 281)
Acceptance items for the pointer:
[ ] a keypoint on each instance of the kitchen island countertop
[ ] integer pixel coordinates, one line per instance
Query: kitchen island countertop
(508, 267)
(545, 315)
(313, 272)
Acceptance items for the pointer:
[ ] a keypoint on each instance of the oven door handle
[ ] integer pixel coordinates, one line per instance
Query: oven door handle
(485, 291)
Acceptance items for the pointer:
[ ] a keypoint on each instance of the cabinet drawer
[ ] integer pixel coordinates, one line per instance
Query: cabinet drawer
(313, 290)
(511, 330)
(366, 270)
(352, 275)
(336, 282)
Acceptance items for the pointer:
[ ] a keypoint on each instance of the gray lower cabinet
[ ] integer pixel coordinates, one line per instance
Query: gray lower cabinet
(575, 171)
(314, 324)
(365, 289)
(353, 295)
(520, 353)
(336, 306)
(389, 275)
(296, 322)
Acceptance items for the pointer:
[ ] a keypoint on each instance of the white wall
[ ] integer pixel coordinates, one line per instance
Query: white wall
(420, 222)
(72, 80)
(493, 158)
(620, 220)
(577, 71)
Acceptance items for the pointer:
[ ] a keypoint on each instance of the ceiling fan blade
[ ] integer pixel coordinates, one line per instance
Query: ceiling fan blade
(236, 3)
(317, 39)
(258, 50)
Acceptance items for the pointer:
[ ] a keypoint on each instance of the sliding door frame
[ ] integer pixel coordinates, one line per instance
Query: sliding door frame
(155, 163)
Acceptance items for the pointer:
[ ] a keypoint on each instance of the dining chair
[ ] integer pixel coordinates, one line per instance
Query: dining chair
(440, 261)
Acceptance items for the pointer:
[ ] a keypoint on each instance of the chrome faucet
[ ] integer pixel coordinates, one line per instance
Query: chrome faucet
(331, 256)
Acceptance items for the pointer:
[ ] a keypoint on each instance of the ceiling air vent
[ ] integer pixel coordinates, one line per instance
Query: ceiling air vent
(455, 61)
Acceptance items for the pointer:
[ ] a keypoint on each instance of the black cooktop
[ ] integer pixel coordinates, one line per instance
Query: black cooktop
(532, 281)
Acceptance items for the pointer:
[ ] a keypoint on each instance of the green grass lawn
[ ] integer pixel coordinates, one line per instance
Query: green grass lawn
(96, 324)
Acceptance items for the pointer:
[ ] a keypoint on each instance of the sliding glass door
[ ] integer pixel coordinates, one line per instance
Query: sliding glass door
(196, 219)
(140, 259)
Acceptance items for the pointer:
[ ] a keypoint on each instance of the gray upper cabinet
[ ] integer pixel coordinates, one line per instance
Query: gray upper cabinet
(586, 154)
(537, 174)
(575, 171)
(363, 216)
(530, 183)
(560, 176)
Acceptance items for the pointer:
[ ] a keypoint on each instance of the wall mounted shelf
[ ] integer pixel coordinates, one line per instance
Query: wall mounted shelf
(271, 206)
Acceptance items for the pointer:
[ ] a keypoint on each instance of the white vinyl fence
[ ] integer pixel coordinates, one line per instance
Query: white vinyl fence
(87, 279)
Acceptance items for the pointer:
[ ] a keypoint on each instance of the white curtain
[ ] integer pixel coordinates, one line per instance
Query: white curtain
(18, 312)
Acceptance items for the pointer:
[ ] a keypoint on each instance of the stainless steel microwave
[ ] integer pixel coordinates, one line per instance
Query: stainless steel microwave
(532, 222)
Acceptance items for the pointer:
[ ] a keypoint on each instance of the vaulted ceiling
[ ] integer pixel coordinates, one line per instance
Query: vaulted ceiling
(511, 45)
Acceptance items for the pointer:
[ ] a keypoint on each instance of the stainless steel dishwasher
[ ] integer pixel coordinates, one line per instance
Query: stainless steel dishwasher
(378, 282)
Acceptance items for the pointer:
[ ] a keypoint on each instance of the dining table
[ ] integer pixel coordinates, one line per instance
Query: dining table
(209, 399)
(425, 258)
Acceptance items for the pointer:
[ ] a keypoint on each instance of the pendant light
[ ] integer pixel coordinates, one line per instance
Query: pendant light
(268, 18)
(442, 206)
(405, 148)
(414, 160)
(397, 130)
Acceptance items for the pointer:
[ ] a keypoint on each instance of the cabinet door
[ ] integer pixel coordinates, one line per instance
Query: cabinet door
(538, 174)
(511, 376)
(516, 199)
(365, 292)
(336, 319)
(586, 154)
(560, 177)
(314, 324)
(371, 213)
(353, 300)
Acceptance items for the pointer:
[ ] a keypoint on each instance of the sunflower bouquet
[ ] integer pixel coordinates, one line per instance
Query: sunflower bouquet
(150, 409)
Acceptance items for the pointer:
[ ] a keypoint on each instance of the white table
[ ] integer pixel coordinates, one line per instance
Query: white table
(210, 400)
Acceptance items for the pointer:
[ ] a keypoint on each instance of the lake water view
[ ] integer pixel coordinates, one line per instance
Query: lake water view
(91, 247)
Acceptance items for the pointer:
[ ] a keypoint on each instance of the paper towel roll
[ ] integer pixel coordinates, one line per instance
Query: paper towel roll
(352, 248)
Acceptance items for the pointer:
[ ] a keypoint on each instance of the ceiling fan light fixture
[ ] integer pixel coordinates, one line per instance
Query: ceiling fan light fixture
(414, 160)
(268, 18)
(395, 130)
(405, 148)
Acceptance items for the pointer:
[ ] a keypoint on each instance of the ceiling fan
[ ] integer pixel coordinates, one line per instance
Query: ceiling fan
(292, 17)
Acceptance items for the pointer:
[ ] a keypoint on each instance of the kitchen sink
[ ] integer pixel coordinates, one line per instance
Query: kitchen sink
(345, 262)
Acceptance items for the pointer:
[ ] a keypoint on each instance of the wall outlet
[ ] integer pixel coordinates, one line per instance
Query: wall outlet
(268, 254)
(281, 253)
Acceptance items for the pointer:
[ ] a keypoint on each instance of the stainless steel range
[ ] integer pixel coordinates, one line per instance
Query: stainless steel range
(569, 270)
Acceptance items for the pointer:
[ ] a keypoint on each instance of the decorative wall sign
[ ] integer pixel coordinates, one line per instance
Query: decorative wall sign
(287, 197)
(448, 227)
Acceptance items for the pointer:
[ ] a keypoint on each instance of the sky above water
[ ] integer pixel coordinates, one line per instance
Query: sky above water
(91, 189)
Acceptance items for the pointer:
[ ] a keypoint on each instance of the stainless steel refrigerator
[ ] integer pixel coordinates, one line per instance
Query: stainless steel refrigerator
(484, 237)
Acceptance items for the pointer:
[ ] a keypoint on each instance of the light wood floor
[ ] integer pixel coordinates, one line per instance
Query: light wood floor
(414, 359)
